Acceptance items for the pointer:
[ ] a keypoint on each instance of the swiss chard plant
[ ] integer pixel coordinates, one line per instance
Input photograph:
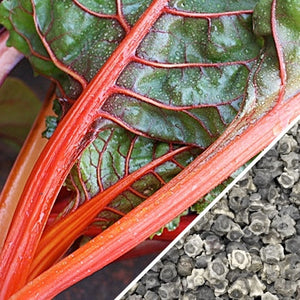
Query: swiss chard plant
(156, 103)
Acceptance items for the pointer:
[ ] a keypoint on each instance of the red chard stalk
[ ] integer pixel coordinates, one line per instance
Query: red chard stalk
(157, 103)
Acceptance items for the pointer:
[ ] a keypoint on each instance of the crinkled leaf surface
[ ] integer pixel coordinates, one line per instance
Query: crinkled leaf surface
(16, 16)
(207, 6)
(18, 109)
(115, 154)
(199, 66)
(277, 72)
(178, 75)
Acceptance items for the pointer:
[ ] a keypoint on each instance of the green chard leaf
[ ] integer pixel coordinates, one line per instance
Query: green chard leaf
(202, 65)
(17, 17)
(115, 154)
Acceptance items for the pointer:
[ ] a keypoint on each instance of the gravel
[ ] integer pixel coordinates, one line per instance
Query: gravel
(247, 246)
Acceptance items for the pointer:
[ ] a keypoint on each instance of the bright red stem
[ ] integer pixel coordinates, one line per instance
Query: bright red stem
(23, 165)
(206, 172)
(58, 157)
(57, 239)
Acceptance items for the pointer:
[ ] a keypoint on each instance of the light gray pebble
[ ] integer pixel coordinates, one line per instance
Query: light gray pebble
(238, 199)
(260, 223)
(185, 265)
(195, 279)
(273, 237)
(157, 267)
(290, 267)
(135, 297)
(273, 194)
(193, 245)
(205, 223)
(150, 295)
(170, 290)
(272, 254)
(151, 280)
(238, 289)
(212, 244)
(216, 271)
(173, 255)
(284, 225)
(261, 179)
(168, 272)
(256, 263)
(269, 296)
(256, 287)
(292, 245)
(239, 259)
(220, 287)
(235, 234)
(222, 225)
(286, 180)
(286, 144)
(222, 209)
(285, 287)
(140, 289)
(291, 160)
(270, 273)
(295, 194)
(257, 227)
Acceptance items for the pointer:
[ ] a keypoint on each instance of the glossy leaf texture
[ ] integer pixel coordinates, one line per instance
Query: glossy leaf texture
(187, 71)
(187, 80)
(112, 156)
(183, 73)
(185, 90)
(285, 30)
(184, 85)
(16, 16)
